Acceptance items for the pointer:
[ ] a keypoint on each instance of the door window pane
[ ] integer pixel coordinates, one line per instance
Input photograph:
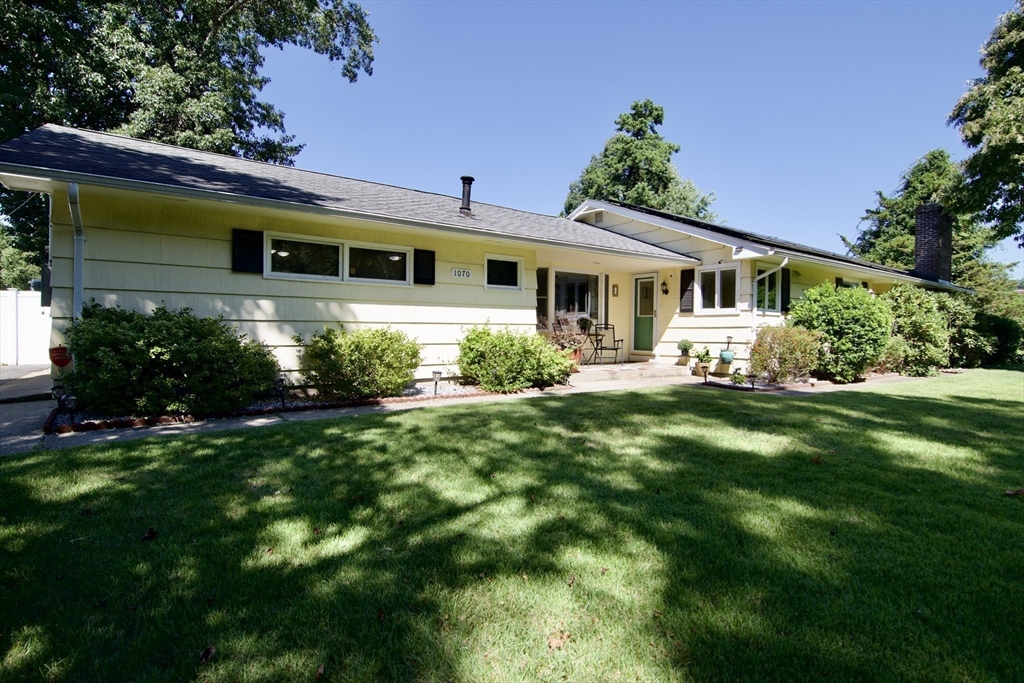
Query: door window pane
(304, 258)
(707, 289)
(502, 273)
(645, 303)
(727, 288)
(377, 264)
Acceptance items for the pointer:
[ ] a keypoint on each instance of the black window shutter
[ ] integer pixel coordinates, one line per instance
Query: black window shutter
(45, 288)
(864, 285)
(839, 282)
(686, 290)
(785, 290)
(246, 251)
(423, 267)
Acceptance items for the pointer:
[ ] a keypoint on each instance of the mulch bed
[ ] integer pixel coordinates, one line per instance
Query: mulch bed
(60, 423)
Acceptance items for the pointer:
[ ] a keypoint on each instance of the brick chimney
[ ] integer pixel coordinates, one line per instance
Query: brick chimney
(933, 243)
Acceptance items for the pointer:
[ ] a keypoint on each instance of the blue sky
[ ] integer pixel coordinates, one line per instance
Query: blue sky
(793, 113)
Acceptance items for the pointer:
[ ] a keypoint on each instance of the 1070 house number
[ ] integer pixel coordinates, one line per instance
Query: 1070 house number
(461, 272)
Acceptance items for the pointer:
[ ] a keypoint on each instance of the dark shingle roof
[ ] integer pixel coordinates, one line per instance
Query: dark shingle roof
(56, 149)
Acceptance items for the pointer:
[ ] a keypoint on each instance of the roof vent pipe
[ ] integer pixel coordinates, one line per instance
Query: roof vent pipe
(467, 186)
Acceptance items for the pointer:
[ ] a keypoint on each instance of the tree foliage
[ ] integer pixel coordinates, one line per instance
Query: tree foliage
(918, 320)
(185, 73)
(886, 232)
(16, 267)
(990, 117)
(636, 167)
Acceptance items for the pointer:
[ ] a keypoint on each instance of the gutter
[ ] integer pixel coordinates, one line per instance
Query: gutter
(76, 220)
(257, 202)
(753, 296)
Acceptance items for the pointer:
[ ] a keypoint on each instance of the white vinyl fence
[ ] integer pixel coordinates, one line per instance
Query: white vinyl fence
(24, 329)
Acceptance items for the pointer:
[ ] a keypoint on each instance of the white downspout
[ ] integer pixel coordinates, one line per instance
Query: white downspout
(76, 220)
(753, 295)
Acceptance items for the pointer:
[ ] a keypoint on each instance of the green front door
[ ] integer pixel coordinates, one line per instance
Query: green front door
(643, 314)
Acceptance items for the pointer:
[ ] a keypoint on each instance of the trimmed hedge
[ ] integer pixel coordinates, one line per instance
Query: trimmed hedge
(780, 354)
(504, 361)
(854, 327)
(130, 363)
(367, 363)
(919, 322)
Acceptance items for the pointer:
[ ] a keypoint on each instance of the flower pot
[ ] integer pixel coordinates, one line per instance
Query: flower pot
(726, 356)
(700, 369)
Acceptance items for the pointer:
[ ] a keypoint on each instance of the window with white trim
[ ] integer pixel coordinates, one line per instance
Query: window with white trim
(305, 258)
(309, 258)
(717, 288)
(503, 272)
(768, 298)
(378, 265)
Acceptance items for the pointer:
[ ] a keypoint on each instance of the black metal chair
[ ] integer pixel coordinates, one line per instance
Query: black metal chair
(602, 337)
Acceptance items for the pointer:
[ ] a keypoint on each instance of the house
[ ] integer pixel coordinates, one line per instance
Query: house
(280, 251)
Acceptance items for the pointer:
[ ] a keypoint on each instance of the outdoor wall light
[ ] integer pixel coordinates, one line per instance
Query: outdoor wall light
(664, 287)
(437, 378)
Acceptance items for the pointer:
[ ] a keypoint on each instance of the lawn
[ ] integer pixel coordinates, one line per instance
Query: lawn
(664, 535)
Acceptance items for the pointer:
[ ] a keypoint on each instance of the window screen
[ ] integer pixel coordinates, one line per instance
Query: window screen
(305, 258)
(727, 284)
(377, 264)
(502, 273)
(707, 289)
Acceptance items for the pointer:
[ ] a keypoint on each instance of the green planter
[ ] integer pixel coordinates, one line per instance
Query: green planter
(727, 356)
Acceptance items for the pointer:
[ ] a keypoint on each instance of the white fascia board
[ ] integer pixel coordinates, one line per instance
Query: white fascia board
(750, 249)
(877, 273)
(216, 195)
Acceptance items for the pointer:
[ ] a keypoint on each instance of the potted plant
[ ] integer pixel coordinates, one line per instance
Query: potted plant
(684, 346)
(726, 356)
(703, 364)
(567, 338)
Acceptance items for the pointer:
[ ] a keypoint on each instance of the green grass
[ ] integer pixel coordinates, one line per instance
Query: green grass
(701, 542)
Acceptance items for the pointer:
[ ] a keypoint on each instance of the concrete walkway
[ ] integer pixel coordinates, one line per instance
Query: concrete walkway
(24, 382)
(21, 423)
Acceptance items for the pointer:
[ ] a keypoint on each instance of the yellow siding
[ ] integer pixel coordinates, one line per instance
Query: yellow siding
(142, 251)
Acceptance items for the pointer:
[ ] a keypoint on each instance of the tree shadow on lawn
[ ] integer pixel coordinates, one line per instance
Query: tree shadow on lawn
(700, 540)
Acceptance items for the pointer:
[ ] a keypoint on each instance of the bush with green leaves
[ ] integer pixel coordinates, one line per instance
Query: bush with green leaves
(1008, 339)
(916, 318)
(505, 361)
(854, 327)
(891, 360)
(781, 354)
(968, 347)
(130, 363)
(368, 363)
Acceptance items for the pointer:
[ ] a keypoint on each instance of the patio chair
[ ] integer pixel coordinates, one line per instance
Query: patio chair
(603, 338)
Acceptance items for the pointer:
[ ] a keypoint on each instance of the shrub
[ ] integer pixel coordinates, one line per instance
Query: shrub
(967, 346)
(893, 354)
(1008, 337)
(780, 354)
(504, 361)
(853, 324)
(918, 320)
(130, 363)
(367, 363)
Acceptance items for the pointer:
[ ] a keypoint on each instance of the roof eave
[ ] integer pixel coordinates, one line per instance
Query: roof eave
(878, 272)
(591, 205)
(39, 173)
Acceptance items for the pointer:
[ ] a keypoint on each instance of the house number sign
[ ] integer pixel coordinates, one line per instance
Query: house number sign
(462, 272)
